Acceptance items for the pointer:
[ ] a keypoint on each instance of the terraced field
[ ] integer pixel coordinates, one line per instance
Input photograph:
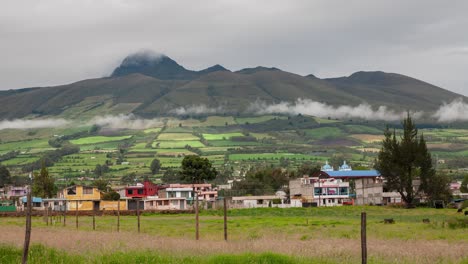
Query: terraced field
(237, 142)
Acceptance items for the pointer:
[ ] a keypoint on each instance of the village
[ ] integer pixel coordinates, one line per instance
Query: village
(326, 188)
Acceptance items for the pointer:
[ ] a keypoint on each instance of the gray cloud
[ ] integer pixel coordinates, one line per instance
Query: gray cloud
(37, 123)
(75, 40)
(197, 110)
(309, 107)
(457, 110)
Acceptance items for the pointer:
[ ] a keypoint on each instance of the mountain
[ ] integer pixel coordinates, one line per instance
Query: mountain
(149, 84)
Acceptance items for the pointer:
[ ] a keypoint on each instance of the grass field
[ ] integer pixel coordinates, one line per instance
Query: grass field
(324, 132)
(257, 119)
(97, 139)
(273, 156)
(177, 136)
(222, 136)
(296, 235)
(34, 144)
(177, 144)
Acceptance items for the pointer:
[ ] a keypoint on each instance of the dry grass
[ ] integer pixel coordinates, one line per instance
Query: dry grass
(347, 250)
(368, 138)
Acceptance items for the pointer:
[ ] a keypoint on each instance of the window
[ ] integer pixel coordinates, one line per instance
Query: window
(344, 191)
(332, 191)
(87, 190)
(317, 191)
(130, 191)
(140, 191)
(71, 191)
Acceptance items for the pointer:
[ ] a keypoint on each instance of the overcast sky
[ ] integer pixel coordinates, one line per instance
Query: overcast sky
(56, 42)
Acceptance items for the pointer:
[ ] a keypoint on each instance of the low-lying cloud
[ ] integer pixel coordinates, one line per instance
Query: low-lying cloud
(309, 107)
(125, 122)
(30, 124)
(457, 110)
(196, 110)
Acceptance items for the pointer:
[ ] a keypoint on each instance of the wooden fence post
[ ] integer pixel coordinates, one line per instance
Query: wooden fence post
(225, 220)
(76, 213)
(94, 218)
(138, 214)
(27, 236)
(197, 232)
(363, 238)
(118, 216)
(65, 214)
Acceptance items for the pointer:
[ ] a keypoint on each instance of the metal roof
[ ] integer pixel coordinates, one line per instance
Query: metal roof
(351, 174)
(34, 199)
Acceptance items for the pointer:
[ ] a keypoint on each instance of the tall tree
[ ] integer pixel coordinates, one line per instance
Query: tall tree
(43, 184)
(171, 176)
(155, 166)
(196, 169)
(405, 160)
(5, 177)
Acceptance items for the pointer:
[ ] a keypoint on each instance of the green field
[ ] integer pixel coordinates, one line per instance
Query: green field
(177, 136)
(177, 144)
(296, 235)
(223, 136)
(274, 156)
(257, 119)
(324, 132)
(97, 139)
(26, 145)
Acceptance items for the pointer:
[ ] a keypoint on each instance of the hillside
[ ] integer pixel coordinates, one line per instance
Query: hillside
(155, 85)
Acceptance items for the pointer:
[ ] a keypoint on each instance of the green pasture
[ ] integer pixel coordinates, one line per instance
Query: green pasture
(323, 132)
(274, 156)
(278, 226)
(113, 145)
(174, 122)
(229, 143)
(223, 136)
(152, 130)
(177, 136)
(218, 121)
(359, 129)
(325, 121)
(257, 119)
(40, 254)
(20, 160)
(97, 139)
(26, 145)
(177, 144)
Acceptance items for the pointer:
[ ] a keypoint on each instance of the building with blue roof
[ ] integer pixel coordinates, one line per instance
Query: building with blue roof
(368, 183)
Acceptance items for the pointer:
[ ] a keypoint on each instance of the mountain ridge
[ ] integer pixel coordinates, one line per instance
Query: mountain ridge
(149, 84)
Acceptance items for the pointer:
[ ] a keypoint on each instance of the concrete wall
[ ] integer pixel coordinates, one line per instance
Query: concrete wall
(368, 191)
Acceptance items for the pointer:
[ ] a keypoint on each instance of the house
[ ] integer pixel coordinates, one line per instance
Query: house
(368, 183)
(141, 190)
(205, 191)
(317, 191)
(36, 203)
(259, 201)
(81, 197)
(172, 203)
(10, 192)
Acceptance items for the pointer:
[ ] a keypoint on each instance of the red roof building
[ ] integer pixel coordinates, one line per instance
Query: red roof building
(142, 190)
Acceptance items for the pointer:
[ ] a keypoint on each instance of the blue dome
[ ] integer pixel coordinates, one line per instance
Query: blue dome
(345, 167)
(327, 167)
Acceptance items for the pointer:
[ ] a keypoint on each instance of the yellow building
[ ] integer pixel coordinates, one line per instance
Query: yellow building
(81, 197)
